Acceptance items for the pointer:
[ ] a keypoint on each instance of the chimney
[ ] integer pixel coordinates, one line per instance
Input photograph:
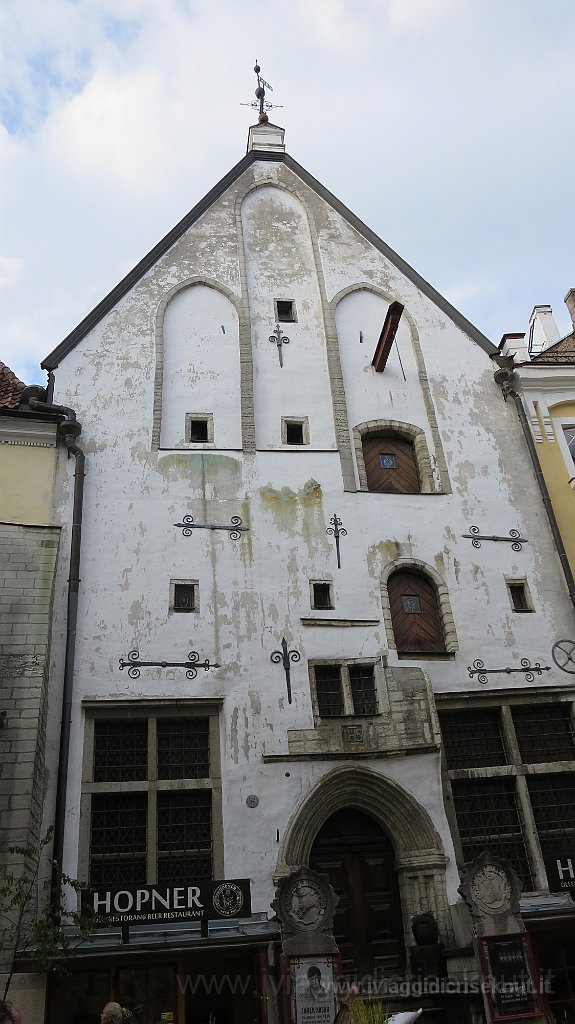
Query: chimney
(542, 329)
(570, 303)
(513, 345)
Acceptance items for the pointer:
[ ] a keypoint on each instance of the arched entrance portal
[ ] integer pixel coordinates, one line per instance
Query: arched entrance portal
(352, 849)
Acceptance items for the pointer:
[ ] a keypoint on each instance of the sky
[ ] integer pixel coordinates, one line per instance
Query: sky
(445, 125)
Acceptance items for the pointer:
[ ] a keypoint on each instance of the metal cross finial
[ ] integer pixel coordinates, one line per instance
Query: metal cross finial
(279, 339)
(261, 101)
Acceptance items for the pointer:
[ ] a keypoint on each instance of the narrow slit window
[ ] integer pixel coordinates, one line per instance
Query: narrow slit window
(519, 595)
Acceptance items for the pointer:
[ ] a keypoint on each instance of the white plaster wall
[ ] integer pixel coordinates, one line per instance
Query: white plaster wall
(280, 265)
(255, 590)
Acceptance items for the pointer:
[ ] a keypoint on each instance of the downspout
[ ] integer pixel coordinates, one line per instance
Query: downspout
(69, 429)
(505, 378)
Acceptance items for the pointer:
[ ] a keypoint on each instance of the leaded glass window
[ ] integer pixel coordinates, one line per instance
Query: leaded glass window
(184, 836)
(488, 819)
(387, 460)
(120, 750)
(329, 691)
(149, 797)
(553, 803)
(363, 689)
(411, 604)
(183, 748)
(118, 838)
(544, 732)
(472, 739)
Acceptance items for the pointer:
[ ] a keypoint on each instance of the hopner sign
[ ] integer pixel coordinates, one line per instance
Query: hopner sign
(206, 901)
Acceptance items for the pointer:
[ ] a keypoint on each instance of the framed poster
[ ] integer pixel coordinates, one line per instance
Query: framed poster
(509, 976)
(312, 988)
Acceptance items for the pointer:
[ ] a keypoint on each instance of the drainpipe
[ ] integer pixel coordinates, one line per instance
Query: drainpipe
(69, 429)
(505, 377)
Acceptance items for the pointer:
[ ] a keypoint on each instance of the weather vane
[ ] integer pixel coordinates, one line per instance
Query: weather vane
(260, 101)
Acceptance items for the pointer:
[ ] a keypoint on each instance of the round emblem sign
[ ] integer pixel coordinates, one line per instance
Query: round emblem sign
(490, 889)
(228, 899)
(305, 903)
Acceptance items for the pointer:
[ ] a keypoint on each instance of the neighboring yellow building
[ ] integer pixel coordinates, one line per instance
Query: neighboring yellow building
(28, 547)
(544, 382)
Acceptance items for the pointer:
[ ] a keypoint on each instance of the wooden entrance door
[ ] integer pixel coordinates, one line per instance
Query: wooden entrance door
(390, 465)
(360, 863)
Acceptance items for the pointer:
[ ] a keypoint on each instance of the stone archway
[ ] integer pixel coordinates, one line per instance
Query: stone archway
(419, 856)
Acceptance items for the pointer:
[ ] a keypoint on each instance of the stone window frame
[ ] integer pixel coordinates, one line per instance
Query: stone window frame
(190, 583)
(343, 664)
(326, 583)
(519, 581)
(151, 710)
(293, 318)
(513, 767)
(444, 603)
(195, 417)
(302, 421)
(406, 431)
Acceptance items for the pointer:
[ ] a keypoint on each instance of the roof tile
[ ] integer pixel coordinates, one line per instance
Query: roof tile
(10, 388)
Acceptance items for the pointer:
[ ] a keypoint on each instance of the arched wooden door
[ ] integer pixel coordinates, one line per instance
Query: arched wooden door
(359, 860)
(415, 616)
(390, 465)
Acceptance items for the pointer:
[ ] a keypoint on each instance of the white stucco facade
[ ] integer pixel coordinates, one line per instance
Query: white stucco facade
(191, 337)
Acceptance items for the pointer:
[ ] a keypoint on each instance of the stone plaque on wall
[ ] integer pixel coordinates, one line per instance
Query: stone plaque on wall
(305, 904)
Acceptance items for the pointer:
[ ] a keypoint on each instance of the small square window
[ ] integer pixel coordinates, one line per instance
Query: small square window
(198, 430)
(285, 311)
(411, 604)
(321, 595)
(295, 430)
(387, 460)
(199, 427)
(294, 433)
(184, 596)
(519, 595)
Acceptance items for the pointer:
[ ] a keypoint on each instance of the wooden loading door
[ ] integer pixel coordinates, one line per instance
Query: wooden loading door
(390, 465)
(359, 860)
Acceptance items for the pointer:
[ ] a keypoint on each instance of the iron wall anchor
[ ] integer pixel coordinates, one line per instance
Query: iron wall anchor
(234, 529)
(133, 664)
(529, 670)
(514, 538)
(284, 657)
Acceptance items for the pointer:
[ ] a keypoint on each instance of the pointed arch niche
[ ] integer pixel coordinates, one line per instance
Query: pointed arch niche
(420, 860)
(413, 567)
(198, 368)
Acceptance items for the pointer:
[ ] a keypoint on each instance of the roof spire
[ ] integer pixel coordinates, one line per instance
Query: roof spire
(260, 100)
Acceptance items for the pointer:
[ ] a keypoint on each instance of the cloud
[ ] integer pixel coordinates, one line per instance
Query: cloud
(415, 15)
(11, 270)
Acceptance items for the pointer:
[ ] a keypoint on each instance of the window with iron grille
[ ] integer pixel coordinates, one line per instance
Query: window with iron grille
(156, 832)
(488, 819)
(472, 739)
(490, 808)
(344, 689)
(544, 732)
(553, 802)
